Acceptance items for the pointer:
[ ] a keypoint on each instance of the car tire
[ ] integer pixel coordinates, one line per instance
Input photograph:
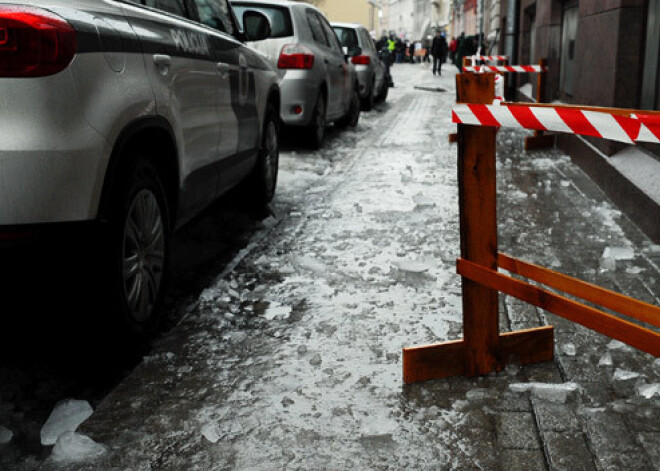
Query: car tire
(367, 103)
(139, 241)
(316, 128)
(260, 185)
(353, 114)
(382, 95)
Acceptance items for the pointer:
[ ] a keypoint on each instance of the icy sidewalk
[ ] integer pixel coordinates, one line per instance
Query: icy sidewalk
(294, 360)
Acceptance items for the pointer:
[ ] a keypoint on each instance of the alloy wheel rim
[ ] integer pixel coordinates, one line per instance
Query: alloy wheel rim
(320, 119)
(272, 155)
(143, 254)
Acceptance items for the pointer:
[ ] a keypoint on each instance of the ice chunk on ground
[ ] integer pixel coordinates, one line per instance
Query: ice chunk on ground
(316, 360)
(617, 345)
(649, 390)
(557, 393)
(211, 432)
(379, 430)
(653, 249)
(410, 266)
(5, 435)
(66, 417)
(619, 253)
(72, 446)
(310, 264)
(422, 201)
(625, 375)
(277, 311)
(569, 349)
(605, 360)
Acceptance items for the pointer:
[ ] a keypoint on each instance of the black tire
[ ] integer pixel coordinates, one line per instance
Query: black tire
(139, 241)
(316, 128)
(260, 185)
(382, 95)
(353, 114)
(367, 103)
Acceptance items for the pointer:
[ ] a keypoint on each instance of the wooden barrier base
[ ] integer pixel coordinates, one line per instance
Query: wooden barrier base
(453, 137)
(538, 142)
(452, 358)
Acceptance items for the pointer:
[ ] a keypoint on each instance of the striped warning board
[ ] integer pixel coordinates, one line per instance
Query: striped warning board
(505, 68)
(490, 58)
(627, 129)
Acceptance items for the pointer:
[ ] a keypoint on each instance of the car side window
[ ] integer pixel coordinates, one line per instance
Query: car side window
(317, 29)
(216, 14)
(367, 41)
(176, 7)
(333, 42)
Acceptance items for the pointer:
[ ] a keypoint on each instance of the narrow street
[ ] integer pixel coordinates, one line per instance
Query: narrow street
(288, 355)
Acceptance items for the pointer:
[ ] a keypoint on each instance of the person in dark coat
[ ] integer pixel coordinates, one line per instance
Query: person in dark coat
(438, 51)
(467, 46)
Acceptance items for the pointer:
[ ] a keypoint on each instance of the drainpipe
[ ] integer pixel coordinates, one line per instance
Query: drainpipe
(511, 41)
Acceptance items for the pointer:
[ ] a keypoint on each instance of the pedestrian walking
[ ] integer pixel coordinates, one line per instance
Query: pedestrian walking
(438, 51)
(453, 45)
(427, 50)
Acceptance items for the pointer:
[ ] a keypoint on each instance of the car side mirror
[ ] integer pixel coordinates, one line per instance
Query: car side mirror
(256, 26)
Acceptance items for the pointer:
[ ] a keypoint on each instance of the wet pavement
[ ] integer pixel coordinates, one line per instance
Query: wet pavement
(291, 356)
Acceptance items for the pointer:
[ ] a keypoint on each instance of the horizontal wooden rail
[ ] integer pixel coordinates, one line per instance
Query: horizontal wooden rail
(639, 337)
(601, 109)
(620, 303)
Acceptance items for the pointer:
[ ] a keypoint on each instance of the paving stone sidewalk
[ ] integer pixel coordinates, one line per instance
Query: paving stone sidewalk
(321, 388)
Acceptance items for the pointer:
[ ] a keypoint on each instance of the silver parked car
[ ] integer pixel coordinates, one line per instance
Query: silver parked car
(372, 79)
(135, 115)
(318, 84)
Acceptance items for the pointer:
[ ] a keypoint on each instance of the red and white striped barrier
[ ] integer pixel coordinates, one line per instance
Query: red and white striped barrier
(490, 58)
(505, 68)
(636, 128)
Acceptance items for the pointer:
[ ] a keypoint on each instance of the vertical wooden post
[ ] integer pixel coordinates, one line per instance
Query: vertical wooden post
(541, 81)
(540, 140)
(482, 349)
(478, 227)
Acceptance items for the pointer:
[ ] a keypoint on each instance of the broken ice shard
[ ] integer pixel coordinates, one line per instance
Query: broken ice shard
(66, 417)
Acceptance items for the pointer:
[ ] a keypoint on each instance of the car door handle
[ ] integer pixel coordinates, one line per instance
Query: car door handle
(163, 63)
(223, 69)
(162, 60)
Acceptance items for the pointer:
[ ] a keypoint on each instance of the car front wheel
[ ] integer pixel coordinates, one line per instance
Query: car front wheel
(260, 185)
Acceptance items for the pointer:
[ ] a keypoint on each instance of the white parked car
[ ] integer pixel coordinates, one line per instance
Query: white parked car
(133, 115)
(372, 73)
(318, 83)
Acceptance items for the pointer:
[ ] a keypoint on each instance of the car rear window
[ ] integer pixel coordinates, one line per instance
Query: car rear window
(280, 18)
(347, 37)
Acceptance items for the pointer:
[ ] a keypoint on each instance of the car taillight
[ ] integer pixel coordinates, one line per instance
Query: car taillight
(34, 42)
(295, 56)
(361, 60)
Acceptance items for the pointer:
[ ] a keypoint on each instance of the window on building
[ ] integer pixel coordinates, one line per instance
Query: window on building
(568, 34)
(650, 83)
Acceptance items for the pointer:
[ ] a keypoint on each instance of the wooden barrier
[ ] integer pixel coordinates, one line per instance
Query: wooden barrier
(539, 140)
(483, 348)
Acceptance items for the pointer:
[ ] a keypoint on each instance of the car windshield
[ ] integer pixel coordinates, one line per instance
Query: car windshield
(347, 37)
(280, 18)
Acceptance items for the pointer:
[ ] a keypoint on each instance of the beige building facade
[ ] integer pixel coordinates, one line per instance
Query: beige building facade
(364, 12)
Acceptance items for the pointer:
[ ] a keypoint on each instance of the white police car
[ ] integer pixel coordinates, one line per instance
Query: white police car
(136, 114)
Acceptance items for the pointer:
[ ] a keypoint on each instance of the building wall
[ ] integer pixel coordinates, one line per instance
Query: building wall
(364, 12)
(402, 18)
